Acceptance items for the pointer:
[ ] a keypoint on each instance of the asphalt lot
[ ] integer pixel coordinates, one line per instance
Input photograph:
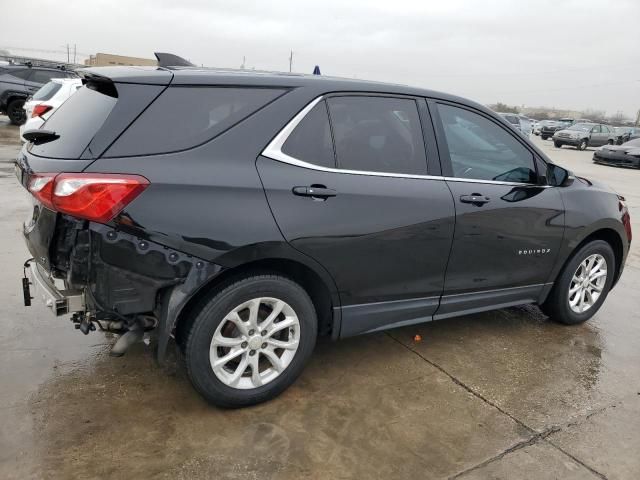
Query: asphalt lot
(504, 394)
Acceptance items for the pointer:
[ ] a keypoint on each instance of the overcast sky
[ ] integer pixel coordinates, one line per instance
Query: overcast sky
(557, 53)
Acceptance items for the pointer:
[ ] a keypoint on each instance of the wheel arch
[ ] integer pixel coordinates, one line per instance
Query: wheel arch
(607, 234)
(320, 288)
(11, 95)
(614, 239)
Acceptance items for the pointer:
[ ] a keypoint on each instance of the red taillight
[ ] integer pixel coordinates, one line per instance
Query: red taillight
(40, 110)
(93, 196)
(41, 187)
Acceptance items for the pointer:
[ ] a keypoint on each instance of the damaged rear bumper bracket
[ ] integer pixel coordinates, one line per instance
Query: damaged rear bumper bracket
(174, 276)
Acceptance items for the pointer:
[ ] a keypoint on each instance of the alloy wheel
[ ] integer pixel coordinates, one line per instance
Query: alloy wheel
(255, 343)
(587, 283)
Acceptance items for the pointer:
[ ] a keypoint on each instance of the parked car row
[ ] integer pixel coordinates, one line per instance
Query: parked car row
(18, 82)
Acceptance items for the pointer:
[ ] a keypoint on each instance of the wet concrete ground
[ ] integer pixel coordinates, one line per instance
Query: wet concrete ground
(504, 394)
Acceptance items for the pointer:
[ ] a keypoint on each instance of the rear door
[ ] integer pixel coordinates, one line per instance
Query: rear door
(509, 227)
(595, 139)
(356, 195)
(606, 133)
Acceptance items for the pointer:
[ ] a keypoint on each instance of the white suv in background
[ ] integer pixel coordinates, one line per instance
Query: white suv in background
(46, 100)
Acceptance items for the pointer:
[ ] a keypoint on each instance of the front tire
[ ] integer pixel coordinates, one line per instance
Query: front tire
(582, 145)
(583, 284)
(544, 137)
(557, 144)
(16, 113)
(250, 341)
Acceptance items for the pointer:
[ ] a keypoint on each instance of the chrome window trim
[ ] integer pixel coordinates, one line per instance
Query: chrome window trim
(274, 152)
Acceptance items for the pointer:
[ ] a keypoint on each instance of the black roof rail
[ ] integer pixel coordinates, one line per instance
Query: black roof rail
(171, 60)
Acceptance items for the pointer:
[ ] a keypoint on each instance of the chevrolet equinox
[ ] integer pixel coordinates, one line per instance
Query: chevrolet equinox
(246, 214)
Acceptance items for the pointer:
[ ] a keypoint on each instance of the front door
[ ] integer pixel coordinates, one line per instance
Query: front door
(364, 206)
(509, 227)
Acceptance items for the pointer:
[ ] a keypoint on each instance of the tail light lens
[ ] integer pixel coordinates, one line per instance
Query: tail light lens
(40, 110)
(92, 196)
(41, 187)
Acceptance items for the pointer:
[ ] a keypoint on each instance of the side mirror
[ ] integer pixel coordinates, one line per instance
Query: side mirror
(558, 176)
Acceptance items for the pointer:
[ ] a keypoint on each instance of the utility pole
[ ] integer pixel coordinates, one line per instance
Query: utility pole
(67, 53)
(290, 60)
(74, 53)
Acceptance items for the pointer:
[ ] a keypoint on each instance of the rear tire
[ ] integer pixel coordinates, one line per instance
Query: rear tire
(16, 113)
(609, 142)
(233, 384)
(544, 137)
(583, 144)
(558, 305)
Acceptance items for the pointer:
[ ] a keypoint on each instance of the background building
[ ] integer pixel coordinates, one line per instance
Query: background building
(106, 59)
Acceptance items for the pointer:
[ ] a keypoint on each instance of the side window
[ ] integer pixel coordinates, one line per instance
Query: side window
(605, 129)
(22, 74)
(43, 76)
(185, 117)
(311, 141)
(378, 134)
(596, 129)
(482, 150)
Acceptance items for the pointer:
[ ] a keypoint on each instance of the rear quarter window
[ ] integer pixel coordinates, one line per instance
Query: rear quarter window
(184, 117)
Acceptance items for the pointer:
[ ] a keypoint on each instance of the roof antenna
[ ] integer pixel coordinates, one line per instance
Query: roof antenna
(171, 60)
(316, 71)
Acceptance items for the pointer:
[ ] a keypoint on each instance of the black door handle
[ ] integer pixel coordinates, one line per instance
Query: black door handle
(314, 191)
(475, 199)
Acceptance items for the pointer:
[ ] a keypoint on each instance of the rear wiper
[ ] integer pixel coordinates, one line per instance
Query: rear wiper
(38, 136)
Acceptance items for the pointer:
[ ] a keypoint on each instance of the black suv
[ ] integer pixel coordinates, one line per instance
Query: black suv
(245, 214)
(551, 127)
(17, 82)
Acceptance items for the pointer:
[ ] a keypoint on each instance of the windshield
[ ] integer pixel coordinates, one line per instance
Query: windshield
(632, 143)
(581, 127)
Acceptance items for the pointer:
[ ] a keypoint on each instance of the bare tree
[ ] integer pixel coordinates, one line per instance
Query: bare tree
(504, 108)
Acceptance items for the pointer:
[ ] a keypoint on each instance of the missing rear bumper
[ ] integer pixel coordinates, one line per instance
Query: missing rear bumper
(40, 284)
